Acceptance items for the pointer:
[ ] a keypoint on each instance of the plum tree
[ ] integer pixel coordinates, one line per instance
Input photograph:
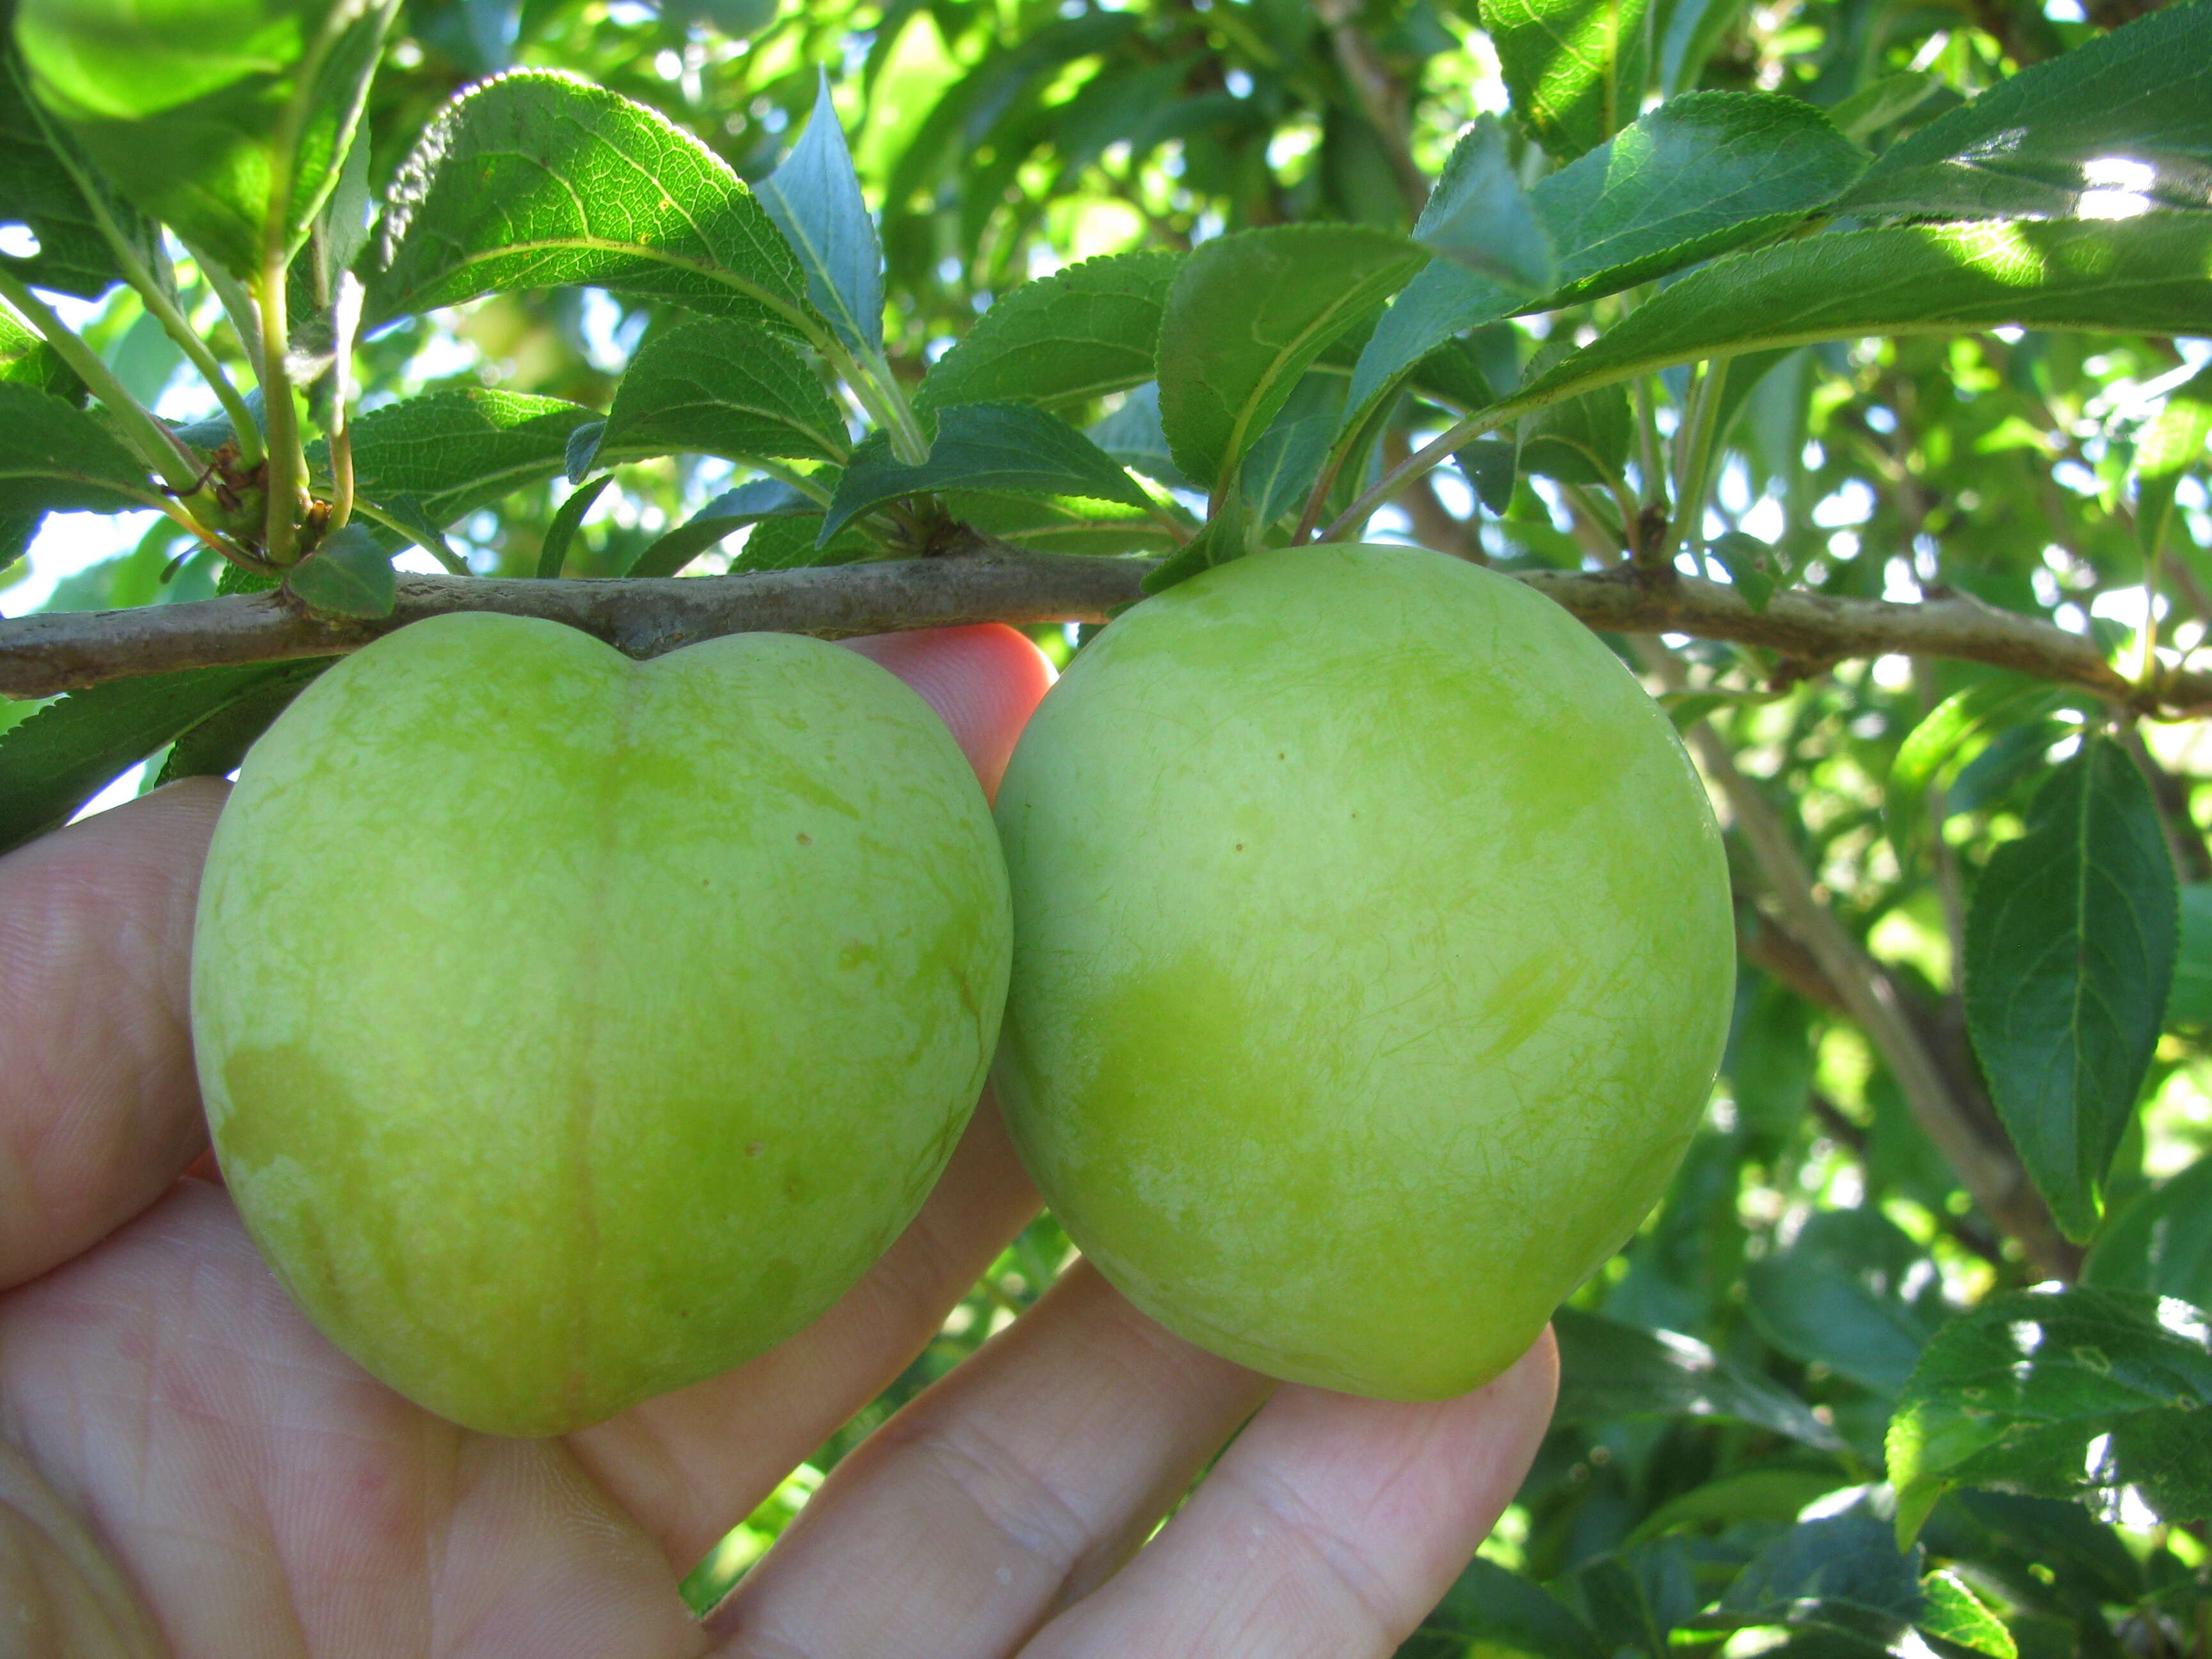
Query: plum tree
(750, 923)
(1372, 955)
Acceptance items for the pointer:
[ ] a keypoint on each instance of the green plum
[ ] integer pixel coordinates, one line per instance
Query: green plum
(1372, 962)
(572, 1029)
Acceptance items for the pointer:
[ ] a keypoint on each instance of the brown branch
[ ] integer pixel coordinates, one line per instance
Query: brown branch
(990, 581)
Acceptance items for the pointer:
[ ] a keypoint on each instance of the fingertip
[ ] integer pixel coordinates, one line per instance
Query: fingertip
(983, 681)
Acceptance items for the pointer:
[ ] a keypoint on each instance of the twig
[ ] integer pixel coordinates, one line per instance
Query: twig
(983, 580)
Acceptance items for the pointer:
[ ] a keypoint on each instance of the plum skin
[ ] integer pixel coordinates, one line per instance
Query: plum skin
(572, 1030)
(1373, 959)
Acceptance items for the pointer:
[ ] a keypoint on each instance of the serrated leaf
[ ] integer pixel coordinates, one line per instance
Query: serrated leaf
(722, 386)
(1608, 1370)
(1080, 333)
(217, 746)
(196, 113)
(1637, 1599)
(2070, 942)
(1701, 174)
(984, 447)
(2060, 1394)
(414, 520)
(2160, 1240)
(2121, 123)
(38, 190)
(553, 552)
(1753, 567)
(1479, 217)
(796, 543)
(1582, 440)
(720, 519)
(1575, 69)
(348, 574)
(814, 198)
(2152, 274)
(1061, 523)
(27, 359)
(538, 180)
(58, 758)
(1948, 740)
(456, 451)
(1841, 1577)
(1248, 315)
(1873, 106)
(1950, 1610)
(55, 458)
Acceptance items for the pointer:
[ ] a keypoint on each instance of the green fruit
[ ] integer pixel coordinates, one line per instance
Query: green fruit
(573, 1028)
(1372, 959)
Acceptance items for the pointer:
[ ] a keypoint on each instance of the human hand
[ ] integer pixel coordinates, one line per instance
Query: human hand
(187, 1468)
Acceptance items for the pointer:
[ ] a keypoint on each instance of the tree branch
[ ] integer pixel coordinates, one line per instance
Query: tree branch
(982, 579)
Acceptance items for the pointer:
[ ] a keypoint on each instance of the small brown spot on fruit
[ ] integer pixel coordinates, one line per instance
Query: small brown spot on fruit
(805, 840)
(755, 1148)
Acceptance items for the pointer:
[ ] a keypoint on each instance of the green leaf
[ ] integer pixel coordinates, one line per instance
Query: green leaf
(1701, 174)
(1575, 69)
(792, 545)
(1248, 315)
(720, 519)
(347, 576)
(583, 446)
(1853, 1292)
(1478, 217)
(1491, 467)
(2173, 441)
(1583, 441)
(553, 552)
(2060, 1394)
(2070, 942)
(721, 386)
(216, 746)
(2160, 1240)
(538, 180)
(1080, 333)
(456, 451)
(1288, 456)
(27, 359)
(1753, 567)
(1951, 1611)
(814, 198)
(1875, 106)
(58, 758)
(1942, 747)
(38, 190)
(55, 458)
(2151, 274)
(198, 111)
(1133, 435)
(1061, 523)
(1609, 1370)
(2121, 123)
(1222, 538)
(2189, 1004)
(1637, 1599)
(1839, 1578)
(984, 447)
(1769, 1495)
(1489, 1605)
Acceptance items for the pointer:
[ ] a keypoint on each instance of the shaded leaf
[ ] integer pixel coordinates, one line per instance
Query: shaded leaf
(1246, 317)
(2189, 1004)
(1487, 1604)
(1133, 435)
(984, 447)
(2070, 942)
(722, 386)
(1061, 523)
(1478, 217)
(792, 545)
(1774, 1495)
(553, 552)
(1948, 739)
(1287, 456)
(2060, 1394)
(59, 757)
(216, 746)
(720, 519)
(38, 190)
(1753, 567)
(2121, 123)
(1583, 441)
(348, 574)
(1608, 1370)
(583, 446)
(2160, 1240)
(27, 359)
(2173, 442)
(1080, 333)
(1841, 1577)
(1637, 1599)
(1875, 106)
(53, 457)
(1852, 1292)
(538, 180)
(1491, 467)
(814, 198)
(1576, 68)
(456, 451)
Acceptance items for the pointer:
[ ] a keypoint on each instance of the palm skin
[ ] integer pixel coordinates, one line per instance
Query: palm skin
(187, 1468)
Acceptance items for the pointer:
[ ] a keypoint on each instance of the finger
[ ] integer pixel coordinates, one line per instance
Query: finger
(691, 1465)
(983, 680)
(1329, 1529)
(1006, 1492)
(99, 1109)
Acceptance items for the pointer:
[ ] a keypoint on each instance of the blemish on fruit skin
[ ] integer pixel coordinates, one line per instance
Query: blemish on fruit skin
(755, 1148)
(805, 840)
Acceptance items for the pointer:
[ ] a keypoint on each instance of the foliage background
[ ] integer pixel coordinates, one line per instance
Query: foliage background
(1720, 1487)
